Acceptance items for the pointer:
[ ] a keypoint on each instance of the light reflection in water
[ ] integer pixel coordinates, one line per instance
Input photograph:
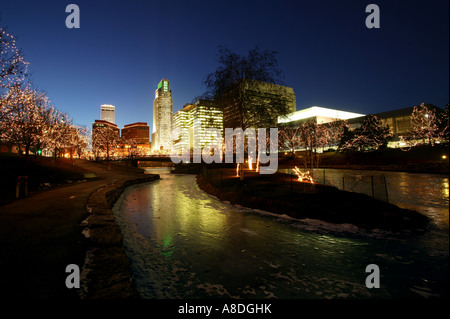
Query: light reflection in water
(186, 244)
(445, 189)
(425, 193)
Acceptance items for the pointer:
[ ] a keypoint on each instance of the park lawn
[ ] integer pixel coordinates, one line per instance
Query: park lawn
(41, 172)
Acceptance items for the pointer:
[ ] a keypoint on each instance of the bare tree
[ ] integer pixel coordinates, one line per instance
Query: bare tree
(239, 81)
(241, 85)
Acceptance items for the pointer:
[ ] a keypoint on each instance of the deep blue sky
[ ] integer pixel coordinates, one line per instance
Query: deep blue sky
(327, 54)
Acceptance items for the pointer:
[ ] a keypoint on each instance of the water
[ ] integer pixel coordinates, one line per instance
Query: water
(184, 243)
(425, 193)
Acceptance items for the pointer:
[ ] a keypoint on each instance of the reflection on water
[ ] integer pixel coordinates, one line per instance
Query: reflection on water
(425, 193)
(184, 243)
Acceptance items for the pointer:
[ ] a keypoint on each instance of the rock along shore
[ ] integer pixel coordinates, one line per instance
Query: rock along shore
(106, 272)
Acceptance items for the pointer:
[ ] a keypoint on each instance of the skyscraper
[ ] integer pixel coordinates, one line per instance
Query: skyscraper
(107, 113)
(162, 117)
(251, 103)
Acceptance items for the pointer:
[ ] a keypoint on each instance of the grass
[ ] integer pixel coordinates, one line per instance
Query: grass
(276, 193)
(41, 172)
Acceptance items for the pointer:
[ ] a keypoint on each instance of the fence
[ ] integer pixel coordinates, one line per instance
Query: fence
(373, 185)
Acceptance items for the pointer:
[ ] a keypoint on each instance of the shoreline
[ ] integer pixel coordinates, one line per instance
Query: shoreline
(435, 169)
(106, 271)
(384, 217)
(41, 234)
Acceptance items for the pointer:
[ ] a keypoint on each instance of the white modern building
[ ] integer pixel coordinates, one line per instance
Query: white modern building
(320, 114)
(107, 113)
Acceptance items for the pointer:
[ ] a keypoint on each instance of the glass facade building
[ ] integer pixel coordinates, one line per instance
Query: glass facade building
(137, 133)
(192, 124)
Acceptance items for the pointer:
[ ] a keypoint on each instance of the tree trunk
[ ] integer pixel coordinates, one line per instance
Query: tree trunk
(27, 149)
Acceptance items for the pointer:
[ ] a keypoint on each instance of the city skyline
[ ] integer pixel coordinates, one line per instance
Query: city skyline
(328, 55)
(213, 151)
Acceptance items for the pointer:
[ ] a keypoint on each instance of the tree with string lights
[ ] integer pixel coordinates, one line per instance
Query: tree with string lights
(61, 133)
(24, 124)
(13, 67)
(288, 138)
(105, 140)
(370, 136)
(81, 140)
(443, 123)
(27, 119)
(424, 124)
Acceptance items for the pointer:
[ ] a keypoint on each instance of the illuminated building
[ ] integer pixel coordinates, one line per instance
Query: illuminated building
(267, 97)
(105, 124)
(193, 122)
(182, 124)
(321, 115)
(137, 133)
(399, 122)
(102, 126)
(135, 139)
(107, 113)
(162, 117)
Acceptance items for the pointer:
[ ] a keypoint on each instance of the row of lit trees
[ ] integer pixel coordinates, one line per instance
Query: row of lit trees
(311, 136)
(28, 120)
(107, 142)
(426, 128)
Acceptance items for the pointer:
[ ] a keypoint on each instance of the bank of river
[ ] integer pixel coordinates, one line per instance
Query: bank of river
(183, 243)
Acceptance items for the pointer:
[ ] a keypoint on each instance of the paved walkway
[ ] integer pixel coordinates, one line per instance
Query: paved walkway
(40, 235)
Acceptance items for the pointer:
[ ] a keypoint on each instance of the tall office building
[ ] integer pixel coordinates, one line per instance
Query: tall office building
(193, 122)
(182, 124)
(136, 133)
(250, 102)
(107, 113)
(162, 117)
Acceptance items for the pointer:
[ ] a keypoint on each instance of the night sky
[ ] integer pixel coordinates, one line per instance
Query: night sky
(327, 54)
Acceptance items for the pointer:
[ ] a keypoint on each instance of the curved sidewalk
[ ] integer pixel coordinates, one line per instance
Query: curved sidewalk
(41, 234)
